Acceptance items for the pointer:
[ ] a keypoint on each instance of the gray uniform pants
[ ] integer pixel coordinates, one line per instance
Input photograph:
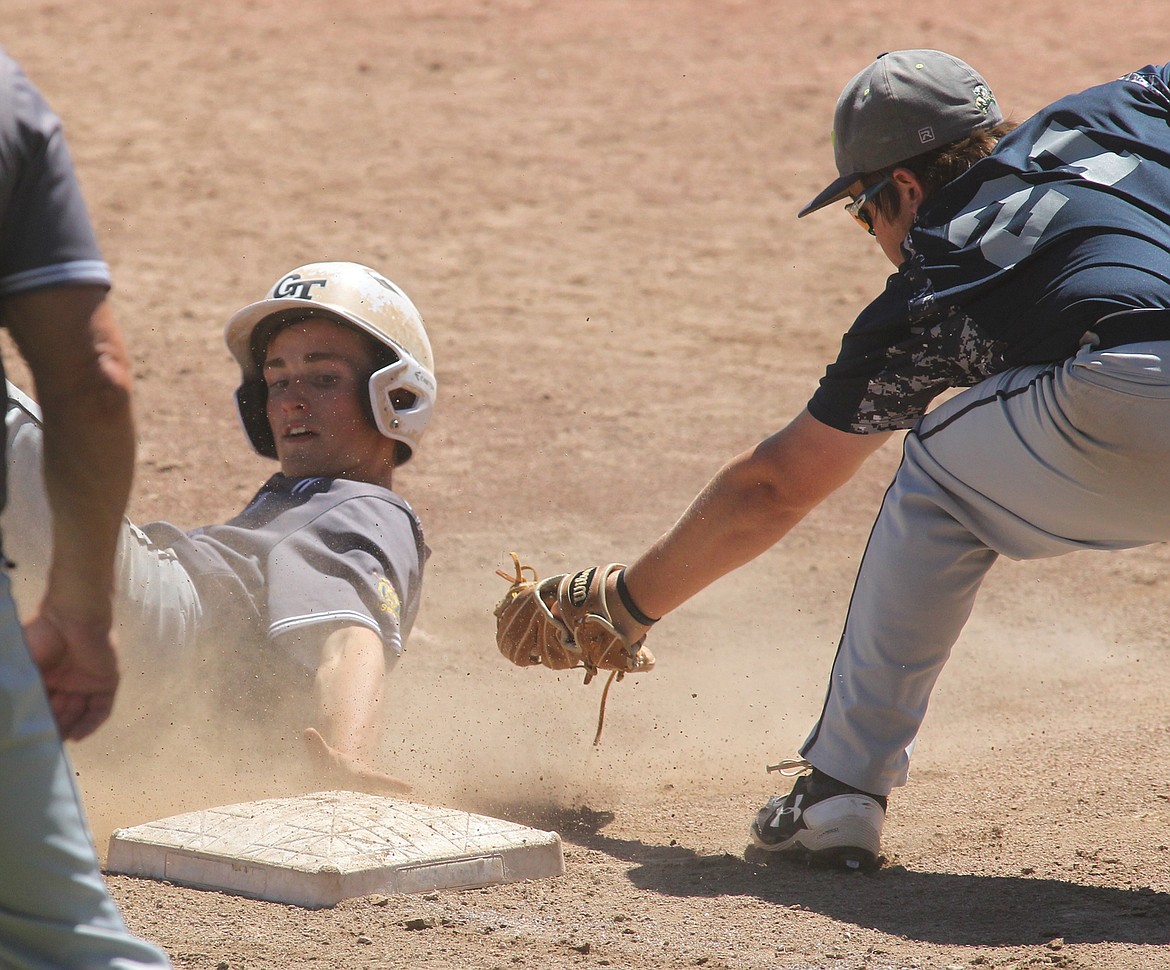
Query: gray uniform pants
(1033, 463)
(156, 609)
(55, 910)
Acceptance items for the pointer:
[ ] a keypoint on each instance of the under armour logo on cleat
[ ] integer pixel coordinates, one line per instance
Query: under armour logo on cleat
(794, 810)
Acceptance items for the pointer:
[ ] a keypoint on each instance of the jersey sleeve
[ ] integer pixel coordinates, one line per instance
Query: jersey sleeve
(45, 234)
(356, 564)
(888, 371)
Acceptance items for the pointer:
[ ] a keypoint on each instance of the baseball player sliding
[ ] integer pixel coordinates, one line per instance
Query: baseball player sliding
(1034, 271)
(312, 589)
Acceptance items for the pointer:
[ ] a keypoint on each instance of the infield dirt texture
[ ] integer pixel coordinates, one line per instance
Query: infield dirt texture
(594, 205)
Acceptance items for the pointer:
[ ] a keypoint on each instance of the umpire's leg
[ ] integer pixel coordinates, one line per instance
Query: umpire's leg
(55, 910)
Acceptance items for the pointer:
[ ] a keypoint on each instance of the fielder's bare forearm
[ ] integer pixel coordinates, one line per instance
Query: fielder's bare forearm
(751, 504)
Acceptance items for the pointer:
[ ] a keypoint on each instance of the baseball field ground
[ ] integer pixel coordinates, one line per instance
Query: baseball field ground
(594, 206)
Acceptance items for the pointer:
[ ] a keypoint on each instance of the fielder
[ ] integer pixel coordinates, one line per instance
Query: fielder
(311, 591)
(58, 680)
(1034, 271)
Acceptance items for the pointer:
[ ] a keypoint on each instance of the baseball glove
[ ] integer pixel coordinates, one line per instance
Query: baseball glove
(563, 623)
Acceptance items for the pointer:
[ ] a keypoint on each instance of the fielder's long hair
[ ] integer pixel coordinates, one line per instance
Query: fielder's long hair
(939, 166)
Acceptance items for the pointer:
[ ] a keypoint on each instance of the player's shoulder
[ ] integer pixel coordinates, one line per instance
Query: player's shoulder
(333, 497)
(348, 490)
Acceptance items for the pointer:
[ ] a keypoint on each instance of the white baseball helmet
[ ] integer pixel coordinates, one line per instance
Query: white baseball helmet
(360, 297)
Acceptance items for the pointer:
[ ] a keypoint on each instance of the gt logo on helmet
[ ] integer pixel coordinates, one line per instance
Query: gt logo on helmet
(295, 287)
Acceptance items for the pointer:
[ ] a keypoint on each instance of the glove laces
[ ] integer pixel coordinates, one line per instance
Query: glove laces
(792, 767)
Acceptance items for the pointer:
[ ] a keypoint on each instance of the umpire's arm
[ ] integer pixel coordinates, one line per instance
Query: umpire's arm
(81, 370)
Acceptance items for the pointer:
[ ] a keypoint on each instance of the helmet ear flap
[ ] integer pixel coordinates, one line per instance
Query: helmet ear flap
(406, 422)
(252, 403)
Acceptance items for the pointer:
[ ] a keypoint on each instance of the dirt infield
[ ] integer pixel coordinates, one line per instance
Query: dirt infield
(593, 204)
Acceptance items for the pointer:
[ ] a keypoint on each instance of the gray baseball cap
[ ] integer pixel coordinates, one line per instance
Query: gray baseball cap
(903, 104)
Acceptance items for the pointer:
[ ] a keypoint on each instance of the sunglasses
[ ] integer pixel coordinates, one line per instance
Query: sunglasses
(856, 208)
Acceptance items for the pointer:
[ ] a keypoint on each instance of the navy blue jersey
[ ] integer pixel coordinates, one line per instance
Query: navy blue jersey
(1048, 243)
(309, 552)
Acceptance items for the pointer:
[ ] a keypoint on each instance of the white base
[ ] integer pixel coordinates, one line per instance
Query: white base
(316, 850)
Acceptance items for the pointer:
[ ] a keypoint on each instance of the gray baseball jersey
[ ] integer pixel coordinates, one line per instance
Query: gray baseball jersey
(309, 552)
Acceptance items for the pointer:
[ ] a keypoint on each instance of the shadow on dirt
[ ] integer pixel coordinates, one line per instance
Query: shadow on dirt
(571, 823)
(932, 907)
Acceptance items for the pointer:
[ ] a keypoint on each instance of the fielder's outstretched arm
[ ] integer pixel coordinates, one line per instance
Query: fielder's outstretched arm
(750, 504)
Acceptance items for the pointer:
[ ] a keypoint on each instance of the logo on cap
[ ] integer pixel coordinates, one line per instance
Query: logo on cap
(984, 99)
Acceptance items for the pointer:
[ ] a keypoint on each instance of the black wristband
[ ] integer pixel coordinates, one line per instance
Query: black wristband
(628, 601)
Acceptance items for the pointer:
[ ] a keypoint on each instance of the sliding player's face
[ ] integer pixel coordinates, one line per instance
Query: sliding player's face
(317, 372)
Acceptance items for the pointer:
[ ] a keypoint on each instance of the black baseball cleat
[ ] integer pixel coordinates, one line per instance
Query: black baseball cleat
(822, 820)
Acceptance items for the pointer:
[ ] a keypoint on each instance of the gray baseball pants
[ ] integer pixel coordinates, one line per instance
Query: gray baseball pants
(55, 910)
(1036, 462)
(156, 608)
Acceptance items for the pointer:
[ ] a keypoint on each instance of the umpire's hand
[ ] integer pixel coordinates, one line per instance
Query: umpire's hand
(79, 668)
